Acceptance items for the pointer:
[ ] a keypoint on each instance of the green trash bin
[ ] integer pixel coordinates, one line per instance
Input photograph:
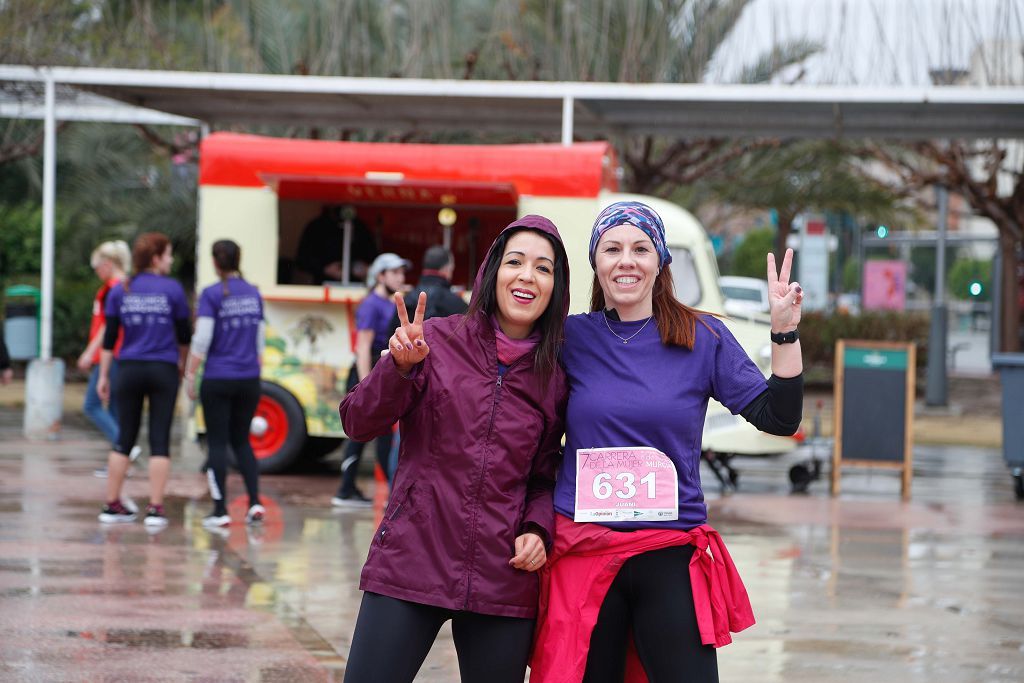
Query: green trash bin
(21, 321)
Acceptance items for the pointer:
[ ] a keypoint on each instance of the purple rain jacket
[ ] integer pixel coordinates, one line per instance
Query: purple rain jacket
(477, 465)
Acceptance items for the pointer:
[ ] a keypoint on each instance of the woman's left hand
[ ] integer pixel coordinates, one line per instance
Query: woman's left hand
(530, 554)
(785, 297)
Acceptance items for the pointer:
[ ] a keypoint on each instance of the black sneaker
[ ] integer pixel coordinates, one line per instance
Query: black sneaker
(356, 499)
(115, 512)
(155, 517)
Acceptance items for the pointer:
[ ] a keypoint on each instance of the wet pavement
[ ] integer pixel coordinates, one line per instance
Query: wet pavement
(860, 588)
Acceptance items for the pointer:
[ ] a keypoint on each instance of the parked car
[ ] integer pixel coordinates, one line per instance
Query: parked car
(744, 295)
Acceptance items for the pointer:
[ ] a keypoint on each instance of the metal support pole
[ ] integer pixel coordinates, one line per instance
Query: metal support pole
(44, 378)
(49, 198)
(936, 387)
(996, 303)
(568, 105)
(860, 266)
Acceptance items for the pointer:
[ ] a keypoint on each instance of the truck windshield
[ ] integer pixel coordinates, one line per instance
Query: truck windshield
(684, 276)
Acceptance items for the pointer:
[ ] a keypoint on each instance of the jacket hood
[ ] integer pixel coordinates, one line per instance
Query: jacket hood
(540, 224)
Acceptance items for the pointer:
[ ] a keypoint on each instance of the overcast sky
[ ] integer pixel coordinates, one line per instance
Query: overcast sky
(871, 42)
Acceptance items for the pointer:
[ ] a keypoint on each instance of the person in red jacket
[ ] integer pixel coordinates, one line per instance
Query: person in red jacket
(480, 400)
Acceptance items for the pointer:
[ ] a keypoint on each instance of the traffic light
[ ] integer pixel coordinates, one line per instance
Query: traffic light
(975, 288)
(882, 231)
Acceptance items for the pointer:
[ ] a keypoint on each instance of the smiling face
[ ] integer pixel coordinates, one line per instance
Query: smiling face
(626, 265)
(525, 279)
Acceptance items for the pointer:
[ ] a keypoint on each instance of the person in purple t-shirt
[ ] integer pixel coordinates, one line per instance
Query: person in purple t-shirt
(229, 335)
(641, 369)
(373, 329)
(153, 311)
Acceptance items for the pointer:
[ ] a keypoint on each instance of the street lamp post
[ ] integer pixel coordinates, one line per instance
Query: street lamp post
(936, 387)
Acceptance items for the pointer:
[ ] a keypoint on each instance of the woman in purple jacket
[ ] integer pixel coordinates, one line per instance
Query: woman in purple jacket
(480, 399)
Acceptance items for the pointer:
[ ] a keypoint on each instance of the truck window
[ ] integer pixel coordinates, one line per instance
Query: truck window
(684, 276)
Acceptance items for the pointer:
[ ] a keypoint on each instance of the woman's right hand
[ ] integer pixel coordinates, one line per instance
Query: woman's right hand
(103, 388)
(84, 362)
(407, 345)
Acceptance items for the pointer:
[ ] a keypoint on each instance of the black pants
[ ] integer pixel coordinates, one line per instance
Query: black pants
(393, 637)
(228, 407)
(652, 597)
(354, 453)
(136, 381)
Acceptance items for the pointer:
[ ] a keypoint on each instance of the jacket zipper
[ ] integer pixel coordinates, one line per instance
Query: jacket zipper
(483, 468)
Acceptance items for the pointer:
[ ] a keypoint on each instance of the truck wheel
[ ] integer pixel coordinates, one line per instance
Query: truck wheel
(278, 430)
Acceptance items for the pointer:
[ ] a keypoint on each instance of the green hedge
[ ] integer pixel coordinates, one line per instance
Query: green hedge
(819, 332)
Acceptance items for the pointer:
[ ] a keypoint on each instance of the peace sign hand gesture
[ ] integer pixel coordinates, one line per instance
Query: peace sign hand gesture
(407, 345)
(785, 297)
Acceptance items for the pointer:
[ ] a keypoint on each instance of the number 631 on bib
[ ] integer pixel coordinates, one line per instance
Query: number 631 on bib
(625, 484)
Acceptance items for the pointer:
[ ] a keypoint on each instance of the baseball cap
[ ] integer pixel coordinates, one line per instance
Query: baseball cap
(386, 261)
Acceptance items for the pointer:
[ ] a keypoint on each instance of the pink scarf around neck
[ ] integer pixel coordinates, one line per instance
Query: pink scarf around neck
(510, 350)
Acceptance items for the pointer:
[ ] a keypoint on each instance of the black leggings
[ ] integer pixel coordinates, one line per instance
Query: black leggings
(393, 637)
(228, 407)
(651, 596)
(354, 453)
(137, 380)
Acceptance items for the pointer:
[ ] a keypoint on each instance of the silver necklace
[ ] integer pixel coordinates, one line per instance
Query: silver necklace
(625, 340)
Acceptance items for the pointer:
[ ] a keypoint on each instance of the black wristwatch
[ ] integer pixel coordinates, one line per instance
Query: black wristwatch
(784, 337)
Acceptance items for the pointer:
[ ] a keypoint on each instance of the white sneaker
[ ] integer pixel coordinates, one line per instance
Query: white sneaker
(216, 521)
(255, 514)
(155, 517)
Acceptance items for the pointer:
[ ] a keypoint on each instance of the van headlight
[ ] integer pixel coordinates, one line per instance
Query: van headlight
(764, 357)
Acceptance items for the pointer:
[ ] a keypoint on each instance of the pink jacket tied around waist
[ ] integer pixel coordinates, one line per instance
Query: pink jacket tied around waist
(580, 570)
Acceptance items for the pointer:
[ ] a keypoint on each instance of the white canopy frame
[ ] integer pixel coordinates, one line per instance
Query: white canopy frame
(542, 108)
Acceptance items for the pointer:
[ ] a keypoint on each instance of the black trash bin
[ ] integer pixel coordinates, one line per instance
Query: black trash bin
(1011, 376)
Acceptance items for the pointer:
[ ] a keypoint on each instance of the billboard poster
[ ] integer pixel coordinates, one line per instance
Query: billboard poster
(813, 264)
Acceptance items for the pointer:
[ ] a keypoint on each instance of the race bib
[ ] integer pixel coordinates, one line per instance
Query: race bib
(628, 484)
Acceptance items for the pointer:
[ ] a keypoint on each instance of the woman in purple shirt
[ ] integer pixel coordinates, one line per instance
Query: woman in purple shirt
(641, 368)
(153, 311)
(229, 335)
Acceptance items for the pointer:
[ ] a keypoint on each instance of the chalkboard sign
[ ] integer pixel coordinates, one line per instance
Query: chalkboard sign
(874, 408)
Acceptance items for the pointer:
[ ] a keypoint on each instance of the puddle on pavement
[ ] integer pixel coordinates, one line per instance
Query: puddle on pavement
(161, 638)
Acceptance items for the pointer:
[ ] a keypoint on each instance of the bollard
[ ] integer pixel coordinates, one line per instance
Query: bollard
(44, 399)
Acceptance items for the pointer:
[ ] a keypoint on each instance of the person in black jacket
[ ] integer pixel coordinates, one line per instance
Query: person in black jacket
(435, 280)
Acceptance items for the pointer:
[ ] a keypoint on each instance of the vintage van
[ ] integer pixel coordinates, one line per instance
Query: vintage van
(296, 205)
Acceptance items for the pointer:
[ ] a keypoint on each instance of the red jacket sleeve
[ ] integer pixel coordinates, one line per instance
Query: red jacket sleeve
(380, 399)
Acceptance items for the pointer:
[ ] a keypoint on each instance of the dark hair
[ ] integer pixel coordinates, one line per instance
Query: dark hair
(146, 246)
(436, 257)
(227, 256)
(551, 322)
(677, 322)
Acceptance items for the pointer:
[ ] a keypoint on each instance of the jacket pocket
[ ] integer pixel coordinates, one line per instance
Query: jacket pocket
(397, 508)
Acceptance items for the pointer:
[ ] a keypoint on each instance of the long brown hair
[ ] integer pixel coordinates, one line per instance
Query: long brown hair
(677, 322)
(146, 246)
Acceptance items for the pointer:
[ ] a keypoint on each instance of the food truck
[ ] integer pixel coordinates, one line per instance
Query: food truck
(310, 215)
